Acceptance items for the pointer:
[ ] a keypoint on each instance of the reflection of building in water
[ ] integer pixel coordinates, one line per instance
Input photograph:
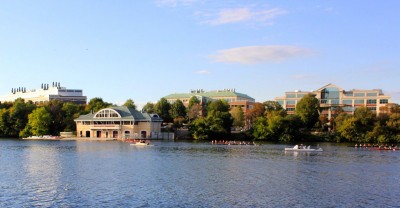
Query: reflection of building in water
(333, 98)
(119, 122)
(45, 94)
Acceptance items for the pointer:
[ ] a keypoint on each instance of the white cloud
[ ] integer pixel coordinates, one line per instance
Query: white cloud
(244, 14)
(259, 54)
(202, 72)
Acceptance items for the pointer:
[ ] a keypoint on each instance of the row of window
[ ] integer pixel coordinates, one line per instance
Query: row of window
(106, 122)
(337, 102)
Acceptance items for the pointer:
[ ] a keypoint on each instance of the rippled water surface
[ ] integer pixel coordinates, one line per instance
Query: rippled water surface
(184, 174)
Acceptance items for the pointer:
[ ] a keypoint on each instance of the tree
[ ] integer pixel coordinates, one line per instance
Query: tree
(96, 104)
(307, 109)
(162, 108)
(194, 111)
(5, 121)
(257, 111)
(19, 116)
(57, 115)
(272, 106)
(38, 122)
(238, 117)
(193, 101)
(149, 108)
(200, 128)
(178, 109)
(219, 116)
(130, 104)
(71, 111)
(260, 130)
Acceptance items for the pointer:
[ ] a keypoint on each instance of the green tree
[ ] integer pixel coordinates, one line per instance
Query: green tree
(130, 104)
(307, 109)
(96, 104)
(57, 116)
(260, 130)
(5, 122)
(162, 108)
(71, 111)
(38, 122)
(192, 101)
(219, 116)
(272, 106)
(19, 116)
(200, 129)
(238, 117)
(149, 108)
(178, 109)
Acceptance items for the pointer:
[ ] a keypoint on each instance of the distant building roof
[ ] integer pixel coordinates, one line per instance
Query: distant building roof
(125, 113)
(211, 94)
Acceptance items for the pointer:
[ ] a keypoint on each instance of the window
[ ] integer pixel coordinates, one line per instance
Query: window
(330, 93)
(290, 102)
(372, 108)
(300, 95)
(359, 94)
(371, 101)
(290, 109)
(348, 102)
(107, 113)
(348, 94)
(291, 95)
(324, 101)
(280, 102)
(348, 109)
(383, 101)
(335, 102)
(372, 94)
(358, 101)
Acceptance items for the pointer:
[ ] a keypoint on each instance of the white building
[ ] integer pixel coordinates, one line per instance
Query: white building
(45, 94)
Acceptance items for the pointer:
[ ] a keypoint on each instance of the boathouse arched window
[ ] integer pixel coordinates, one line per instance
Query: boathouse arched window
(107, 113)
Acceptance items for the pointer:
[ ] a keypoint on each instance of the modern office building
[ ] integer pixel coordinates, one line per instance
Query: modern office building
(119, 123)
(233, 98)
(332, 97)
(45, 94)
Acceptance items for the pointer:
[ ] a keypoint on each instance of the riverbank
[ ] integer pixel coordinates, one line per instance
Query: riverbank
(69, 138)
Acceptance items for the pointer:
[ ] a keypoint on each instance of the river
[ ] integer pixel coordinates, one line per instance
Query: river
(190, 174)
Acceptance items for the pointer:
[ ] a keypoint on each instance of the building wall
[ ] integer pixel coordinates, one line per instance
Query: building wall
(39, 96)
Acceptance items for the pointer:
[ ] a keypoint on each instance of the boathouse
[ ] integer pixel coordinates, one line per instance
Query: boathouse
(119, 123)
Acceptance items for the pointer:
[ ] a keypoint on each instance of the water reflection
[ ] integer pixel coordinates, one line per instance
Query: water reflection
(181, 174)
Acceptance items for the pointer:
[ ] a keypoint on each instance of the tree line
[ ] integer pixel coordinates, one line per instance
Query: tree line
(266, 121)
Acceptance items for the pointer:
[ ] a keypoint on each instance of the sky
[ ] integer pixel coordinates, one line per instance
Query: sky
(147, 49)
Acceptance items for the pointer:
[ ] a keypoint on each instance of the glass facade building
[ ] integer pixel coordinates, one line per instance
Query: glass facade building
(332, 98)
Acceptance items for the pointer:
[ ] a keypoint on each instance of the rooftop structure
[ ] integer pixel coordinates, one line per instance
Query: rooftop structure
(45, 94)
(332, 97)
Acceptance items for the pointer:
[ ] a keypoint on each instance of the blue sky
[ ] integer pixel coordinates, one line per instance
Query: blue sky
(144, 50)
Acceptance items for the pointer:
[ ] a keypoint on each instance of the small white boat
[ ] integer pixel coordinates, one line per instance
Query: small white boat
(140, 144)
(303, 149)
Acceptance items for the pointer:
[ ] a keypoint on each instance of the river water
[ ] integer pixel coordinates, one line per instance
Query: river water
(188, 174)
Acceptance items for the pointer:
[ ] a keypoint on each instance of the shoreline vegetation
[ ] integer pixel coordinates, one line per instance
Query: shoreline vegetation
(215, 120)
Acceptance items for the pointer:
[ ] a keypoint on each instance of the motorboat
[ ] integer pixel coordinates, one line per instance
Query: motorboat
(302, 148)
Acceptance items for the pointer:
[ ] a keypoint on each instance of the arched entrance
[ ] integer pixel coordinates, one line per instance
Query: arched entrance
(115, 134)
(87, 133)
